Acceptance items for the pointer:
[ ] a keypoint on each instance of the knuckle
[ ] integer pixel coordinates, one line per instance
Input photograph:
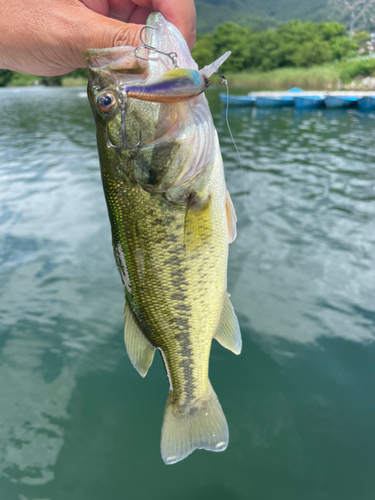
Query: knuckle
(127, 36)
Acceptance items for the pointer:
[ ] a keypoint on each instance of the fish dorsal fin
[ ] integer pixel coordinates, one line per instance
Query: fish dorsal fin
(228, 334)
(231, 218)
(140, 351)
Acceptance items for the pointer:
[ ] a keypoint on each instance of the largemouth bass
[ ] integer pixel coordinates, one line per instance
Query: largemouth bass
(171, 220)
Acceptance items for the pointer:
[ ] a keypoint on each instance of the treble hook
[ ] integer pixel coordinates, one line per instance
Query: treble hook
(123, 99)
(171, 55)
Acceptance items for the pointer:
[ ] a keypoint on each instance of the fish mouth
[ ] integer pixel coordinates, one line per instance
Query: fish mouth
(117, 63)
(117, 58)
(144, 64)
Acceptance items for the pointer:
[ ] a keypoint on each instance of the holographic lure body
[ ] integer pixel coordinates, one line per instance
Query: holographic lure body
(174, 86)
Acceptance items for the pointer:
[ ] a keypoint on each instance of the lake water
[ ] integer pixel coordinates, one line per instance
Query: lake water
(76, 420)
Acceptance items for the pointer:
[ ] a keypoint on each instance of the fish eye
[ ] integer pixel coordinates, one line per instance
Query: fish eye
(106, 102)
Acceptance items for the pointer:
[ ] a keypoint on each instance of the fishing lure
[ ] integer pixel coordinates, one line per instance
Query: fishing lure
(175, 86)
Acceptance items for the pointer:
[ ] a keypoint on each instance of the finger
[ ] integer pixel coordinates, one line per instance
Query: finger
(140, 15)
(89, 30)
(183, 16)
(97, 6)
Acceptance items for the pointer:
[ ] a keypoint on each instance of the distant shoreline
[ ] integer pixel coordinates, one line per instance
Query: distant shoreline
(323, 78)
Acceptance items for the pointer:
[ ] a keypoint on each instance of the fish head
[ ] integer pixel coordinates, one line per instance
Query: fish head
(108, 70)
(158, 145)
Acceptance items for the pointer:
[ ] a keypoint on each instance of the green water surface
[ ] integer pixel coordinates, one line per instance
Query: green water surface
(76, 420)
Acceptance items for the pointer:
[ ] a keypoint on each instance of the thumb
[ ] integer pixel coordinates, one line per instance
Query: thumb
(94, 31)
(48, 37)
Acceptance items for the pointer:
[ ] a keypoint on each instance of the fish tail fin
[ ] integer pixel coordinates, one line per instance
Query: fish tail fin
(201, 426)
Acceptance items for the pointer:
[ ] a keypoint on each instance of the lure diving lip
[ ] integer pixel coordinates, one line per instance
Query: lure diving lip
(213, 67)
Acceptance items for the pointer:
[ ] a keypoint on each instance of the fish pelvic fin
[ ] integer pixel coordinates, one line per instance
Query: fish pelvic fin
(140, 351)
(201, 426)
(228, 334)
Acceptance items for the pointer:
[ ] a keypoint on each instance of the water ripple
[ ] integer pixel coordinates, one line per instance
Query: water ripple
(301, 275)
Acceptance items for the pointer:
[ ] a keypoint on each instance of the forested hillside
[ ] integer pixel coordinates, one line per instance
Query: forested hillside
(258, 14)
(293, 44)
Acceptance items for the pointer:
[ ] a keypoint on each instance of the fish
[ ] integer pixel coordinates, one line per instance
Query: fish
(172, 220)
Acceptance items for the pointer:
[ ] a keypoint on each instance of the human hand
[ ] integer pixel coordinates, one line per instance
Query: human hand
(48, 37)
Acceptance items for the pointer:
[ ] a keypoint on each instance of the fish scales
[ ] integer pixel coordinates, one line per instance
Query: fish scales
(172, 290)
(171, 221)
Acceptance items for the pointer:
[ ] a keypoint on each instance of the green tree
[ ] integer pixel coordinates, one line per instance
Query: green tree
(230, 36)
(296, 43)
(331, 30)
(311, 53)
(343, 47)
(203, 52)
(361, 37)
(5, 77)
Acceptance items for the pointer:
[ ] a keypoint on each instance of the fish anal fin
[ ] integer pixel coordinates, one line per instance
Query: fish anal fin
(228, 334)
(201, 426)
(198, 222)
(139, 349)
(231, 217)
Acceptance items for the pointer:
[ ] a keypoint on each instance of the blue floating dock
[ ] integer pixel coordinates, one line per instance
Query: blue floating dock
(295, 90)
(277, 99)
(304, 100)
(337, 102)
(274, 102)
(366, 103)
(234, 100)
(309, 102)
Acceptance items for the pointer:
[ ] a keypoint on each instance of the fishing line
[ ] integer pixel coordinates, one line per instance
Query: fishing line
(248, 206)
(227, 120)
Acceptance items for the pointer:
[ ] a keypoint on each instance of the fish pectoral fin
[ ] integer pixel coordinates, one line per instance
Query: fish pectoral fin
(231, 217)
(228, 334)
(198, 221)
(139, 349)
(200, 426)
